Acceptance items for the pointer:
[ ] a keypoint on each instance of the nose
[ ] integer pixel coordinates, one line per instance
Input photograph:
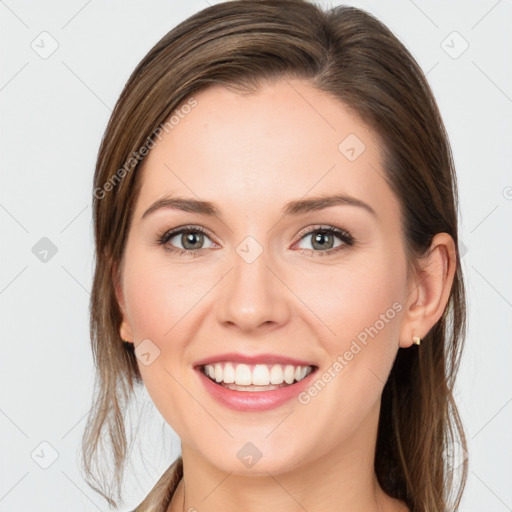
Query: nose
(252, 296)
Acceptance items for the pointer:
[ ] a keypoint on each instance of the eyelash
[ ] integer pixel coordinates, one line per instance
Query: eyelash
(347, 239)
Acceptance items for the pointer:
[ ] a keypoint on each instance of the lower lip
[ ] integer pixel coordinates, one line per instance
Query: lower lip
(251, 401)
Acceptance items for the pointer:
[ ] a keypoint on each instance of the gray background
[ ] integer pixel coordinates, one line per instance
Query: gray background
(54, 109)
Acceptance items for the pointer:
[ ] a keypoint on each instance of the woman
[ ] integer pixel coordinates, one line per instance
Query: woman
(275, 211)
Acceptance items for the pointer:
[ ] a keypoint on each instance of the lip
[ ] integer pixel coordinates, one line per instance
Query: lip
(251, 359)
(253, 401)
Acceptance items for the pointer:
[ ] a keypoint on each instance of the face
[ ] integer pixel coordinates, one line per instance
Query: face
(275, 278)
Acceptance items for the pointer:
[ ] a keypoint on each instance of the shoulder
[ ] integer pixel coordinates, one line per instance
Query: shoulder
(161, 494)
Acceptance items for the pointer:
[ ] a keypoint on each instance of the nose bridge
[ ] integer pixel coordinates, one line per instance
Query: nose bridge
(252, 295)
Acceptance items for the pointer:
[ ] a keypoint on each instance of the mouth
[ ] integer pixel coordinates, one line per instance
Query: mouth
(255, 377)
(254, 382)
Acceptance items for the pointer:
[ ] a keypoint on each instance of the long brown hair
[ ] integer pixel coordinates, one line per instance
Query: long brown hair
(352, 56)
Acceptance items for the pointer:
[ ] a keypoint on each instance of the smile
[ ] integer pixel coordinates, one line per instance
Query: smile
(255, 377)
(254, 383)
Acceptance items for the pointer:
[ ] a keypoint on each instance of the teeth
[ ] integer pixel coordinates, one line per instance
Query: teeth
(229, 373)
(260, 375)
(289, 373)
(243, 375)
(276, 374)
(218, 372)
(256, 375)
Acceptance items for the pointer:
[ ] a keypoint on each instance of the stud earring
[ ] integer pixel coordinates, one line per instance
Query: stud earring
(416, 340)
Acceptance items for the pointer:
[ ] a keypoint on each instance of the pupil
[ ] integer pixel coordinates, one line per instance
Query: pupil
(320, 238)
(194, 239)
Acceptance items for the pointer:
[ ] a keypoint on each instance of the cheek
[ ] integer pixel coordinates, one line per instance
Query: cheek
(157, 297)
(360, 311)
(161, 304)
(353, 296)
(157, 302)
(361, 308)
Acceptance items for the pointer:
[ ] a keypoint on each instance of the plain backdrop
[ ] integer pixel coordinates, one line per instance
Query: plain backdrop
(56, 97)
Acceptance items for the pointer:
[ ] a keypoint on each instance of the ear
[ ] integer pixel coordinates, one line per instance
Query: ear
(125, 331)
(429, 289)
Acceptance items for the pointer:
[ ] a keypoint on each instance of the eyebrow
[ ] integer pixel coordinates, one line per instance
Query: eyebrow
(292, 208)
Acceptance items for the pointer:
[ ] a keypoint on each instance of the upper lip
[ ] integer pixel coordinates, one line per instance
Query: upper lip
(252, 359)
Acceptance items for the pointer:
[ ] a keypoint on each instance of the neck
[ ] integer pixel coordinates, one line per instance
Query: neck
(279, 492)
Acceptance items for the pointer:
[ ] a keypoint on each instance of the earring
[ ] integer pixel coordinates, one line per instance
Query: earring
(416, 340)
(126, 341)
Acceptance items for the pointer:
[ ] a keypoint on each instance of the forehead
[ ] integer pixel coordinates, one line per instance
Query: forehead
(253, 152)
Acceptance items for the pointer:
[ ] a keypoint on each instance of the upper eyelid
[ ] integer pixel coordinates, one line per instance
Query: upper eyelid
(324, 227)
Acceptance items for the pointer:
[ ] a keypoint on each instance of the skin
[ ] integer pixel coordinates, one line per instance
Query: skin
(291, 300)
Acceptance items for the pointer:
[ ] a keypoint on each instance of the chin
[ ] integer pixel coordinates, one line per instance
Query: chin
(257, 458)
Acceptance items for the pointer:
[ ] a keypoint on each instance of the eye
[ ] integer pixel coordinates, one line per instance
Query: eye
(189, 240)
(323, 242)
(184, 240)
